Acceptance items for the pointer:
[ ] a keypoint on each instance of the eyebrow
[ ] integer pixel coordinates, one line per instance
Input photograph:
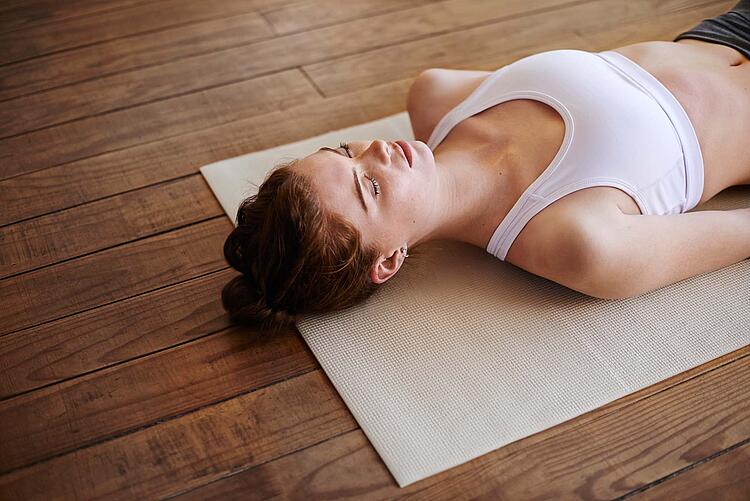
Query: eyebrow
(356, 179)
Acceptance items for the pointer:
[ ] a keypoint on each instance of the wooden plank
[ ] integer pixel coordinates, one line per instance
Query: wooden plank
(113, 274)
(18, 14)
(303, 16)
(491, 46)
(144, 85)
(185, 451)
(93, 61)
(121, 399)
(112, 334)
(342, 465)
(724, 477)
(105, 25)
(107, 174)
(88, 228)
(657, 432)
(131, 126)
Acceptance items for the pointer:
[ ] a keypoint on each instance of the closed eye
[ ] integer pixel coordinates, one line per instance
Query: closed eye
(374, 184)
(346, 148)
(373, 181)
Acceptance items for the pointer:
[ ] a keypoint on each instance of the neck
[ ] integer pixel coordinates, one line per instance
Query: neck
(473, 184)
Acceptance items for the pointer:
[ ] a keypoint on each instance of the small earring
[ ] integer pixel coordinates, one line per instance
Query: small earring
(403, 251)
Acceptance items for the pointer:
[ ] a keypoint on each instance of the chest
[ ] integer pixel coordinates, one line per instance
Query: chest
(708, 81)
(521, 157)
(517, 140)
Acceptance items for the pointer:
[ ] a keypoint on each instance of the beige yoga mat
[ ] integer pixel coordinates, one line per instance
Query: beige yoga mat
(461, 353)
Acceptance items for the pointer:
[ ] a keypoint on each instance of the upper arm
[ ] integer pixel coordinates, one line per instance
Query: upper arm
(434, 93)
(560, 246)
(640, 253)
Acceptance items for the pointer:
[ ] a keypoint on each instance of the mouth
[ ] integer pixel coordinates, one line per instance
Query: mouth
(406, 151)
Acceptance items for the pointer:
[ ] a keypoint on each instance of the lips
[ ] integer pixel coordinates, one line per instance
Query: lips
(406, 151)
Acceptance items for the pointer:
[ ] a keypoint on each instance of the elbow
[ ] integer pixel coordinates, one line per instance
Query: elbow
(604, 282)
(601, 275)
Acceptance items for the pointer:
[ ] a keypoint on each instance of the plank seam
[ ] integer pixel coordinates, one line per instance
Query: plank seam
(270, 25)
(120, 72)
(116, 364)
(685, 469)
(312, 82)
(63, 209)
(125, 242)
(146, 32)
(247, 468)
(112, 302)
(138, 105)
(48, 22)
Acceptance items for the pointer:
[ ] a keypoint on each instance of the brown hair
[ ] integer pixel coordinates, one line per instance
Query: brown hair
(295, 257)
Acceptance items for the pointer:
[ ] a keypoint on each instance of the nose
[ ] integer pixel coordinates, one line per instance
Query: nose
(380, 149)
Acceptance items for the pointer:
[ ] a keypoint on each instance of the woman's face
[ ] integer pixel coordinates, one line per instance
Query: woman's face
(404, 202)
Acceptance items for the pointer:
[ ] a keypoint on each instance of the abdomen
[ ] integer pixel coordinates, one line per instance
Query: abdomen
(716, 97)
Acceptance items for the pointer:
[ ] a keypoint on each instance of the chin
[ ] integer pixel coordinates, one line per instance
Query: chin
(424, 154)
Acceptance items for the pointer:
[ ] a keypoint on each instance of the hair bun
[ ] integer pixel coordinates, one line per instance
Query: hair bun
(246, 303)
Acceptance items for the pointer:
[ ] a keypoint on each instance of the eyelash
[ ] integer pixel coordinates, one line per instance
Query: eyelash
(374, 182)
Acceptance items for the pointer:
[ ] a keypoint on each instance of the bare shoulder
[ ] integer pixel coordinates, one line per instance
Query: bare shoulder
(564, 241)
(435, 92)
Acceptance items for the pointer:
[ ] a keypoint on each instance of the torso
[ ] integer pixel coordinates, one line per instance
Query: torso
(709, 80)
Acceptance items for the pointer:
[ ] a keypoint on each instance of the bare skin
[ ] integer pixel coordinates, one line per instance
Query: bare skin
(484, 164)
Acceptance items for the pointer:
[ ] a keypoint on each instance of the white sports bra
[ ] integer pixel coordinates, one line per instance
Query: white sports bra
(623, 129)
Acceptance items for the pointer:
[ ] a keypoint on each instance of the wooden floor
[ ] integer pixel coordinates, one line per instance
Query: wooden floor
(120, 376)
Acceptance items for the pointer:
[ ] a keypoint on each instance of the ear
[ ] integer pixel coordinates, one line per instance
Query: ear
(386, 267)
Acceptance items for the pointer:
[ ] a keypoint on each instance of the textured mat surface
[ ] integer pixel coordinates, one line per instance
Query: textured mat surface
(461, 353)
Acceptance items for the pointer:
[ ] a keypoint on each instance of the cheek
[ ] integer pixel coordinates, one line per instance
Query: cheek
(402, 196)
(406, 194)
(414, 199)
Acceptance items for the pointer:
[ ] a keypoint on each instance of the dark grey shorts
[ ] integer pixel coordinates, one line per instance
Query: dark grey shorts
(731, 28)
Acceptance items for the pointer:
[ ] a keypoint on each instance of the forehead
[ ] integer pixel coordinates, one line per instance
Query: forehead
(324, 164)
(328, 152)
(336, 180)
